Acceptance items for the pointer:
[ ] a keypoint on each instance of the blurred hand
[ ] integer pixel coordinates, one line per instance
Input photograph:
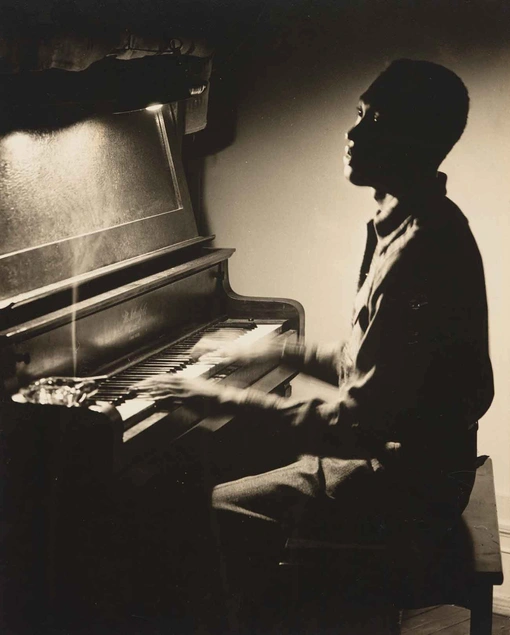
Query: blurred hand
(216, 350)
(193, 392)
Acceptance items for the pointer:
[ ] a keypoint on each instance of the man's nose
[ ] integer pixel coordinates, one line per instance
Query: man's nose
(355, 132)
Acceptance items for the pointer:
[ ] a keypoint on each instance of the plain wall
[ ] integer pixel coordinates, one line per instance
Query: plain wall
(277, 192)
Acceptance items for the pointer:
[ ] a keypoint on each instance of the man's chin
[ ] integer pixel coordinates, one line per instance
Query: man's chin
(355, 176)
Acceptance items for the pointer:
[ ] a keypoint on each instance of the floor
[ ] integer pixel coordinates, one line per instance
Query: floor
(447, 620)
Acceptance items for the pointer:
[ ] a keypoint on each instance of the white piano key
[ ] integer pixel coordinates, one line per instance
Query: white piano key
(133, 407)
(194, 370)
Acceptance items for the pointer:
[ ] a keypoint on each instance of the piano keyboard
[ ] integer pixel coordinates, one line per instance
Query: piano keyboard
(176, 360)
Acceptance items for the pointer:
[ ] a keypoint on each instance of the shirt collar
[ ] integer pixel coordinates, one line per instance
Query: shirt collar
(393, 211)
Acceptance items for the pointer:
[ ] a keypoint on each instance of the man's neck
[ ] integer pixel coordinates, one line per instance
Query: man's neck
(389, 193)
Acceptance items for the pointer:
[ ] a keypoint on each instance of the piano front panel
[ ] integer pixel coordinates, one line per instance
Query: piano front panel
(119, 333)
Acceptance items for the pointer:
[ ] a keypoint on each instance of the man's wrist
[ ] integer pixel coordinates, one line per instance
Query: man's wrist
(235, 400)
(293, 354)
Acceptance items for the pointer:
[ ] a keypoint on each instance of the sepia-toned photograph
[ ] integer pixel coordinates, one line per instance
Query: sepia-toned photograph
(254, 284)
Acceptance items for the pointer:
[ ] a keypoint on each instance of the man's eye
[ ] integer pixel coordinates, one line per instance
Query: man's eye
(359, 112)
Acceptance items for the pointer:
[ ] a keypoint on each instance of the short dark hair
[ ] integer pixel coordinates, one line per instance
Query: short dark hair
(431, 101)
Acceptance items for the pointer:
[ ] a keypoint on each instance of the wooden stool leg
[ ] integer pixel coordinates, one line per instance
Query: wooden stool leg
(481, 610)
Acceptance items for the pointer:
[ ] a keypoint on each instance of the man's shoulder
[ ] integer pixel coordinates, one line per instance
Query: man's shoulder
(438, 253)
(440, 227)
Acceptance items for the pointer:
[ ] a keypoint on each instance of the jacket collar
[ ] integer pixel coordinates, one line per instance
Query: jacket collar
(394, 212)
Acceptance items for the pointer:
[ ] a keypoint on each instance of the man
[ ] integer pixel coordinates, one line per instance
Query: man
(414, 376)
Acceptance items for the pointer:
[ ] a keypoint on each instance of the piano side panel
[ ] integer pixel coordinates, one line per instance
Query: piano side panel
(242, 306)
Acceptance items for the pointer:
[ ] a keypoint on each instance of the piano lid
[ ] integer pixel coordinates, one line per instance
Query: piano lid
(103, 191)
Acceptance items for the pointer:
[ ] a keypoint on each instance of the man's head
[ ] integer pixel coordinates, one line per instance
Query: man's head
(409, 118)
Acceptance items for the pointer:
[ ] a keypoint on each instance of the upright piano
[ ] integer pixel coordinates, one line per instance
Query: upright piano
(104, 274)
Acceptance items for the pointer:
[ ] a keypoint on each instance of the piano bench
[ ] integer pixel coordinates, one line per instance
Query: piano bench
(460, 569)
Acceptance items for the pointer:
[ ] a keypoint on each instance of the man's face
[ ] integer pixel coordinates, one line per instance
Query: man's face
(377, 150)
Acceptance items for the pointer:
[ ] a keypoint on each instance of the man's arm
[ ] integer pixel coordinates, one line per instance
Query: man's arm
(321, 362)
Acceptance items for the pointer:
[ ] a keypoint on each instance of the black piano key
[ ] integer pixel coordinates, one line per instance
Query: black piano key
(132, 379)
(118, 388)
(167, 359)
(149, 371)
(153, 365)
(167, 356)
(168, 362)
(178, 359)
(113, 399)
(154, 370)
